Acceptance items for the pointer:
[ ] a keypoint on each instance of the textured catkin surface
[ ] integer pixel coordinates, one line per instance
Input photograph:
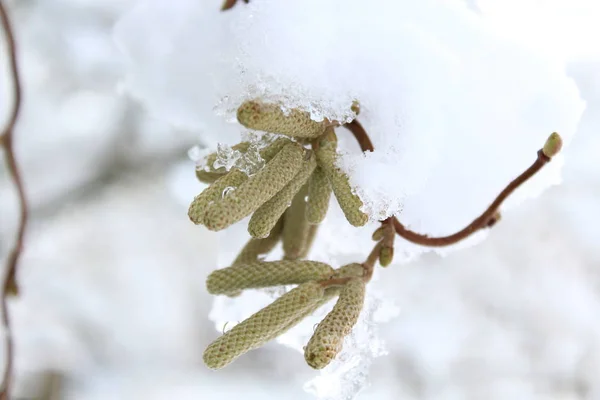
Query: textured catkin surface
(329, 336)
(257, 247)
(265, 274)
(354, 270)
(266, 216)
(259, 188)
(214, 193)
(310, 238)
(270, 118)
(349, 202)
(319, 193)
(296, 227)
(266, 324)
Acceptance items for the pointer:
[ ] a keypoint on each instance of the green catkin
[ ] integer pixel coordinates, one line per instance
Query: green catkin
(264, 325)
(213, 194)
(378, 234)
(258, 247)
(349, 202)
(209, 174)
(310, 238)
(319, 193)
(258, 189)
(330, 293)
(268, 214)
(354, 270)
(265, 274)
(295, 227)
(270, 118)
(327, 341)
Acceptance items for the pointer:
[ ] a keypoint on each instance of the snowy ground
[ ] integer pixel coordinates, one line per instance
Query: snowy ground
(113, 273)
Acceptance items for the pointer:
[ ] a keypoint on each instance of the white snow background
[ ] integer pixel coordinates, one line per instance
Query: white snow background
(458, 96)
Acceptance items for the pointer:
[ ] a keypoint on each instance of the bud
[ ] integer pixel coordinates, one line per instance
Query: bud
(378, 234)
(553, 145)
(271, 118)
(319, 193)
(386, 256)
(268, 214)
(214, 193)
(264, 325)
(258, 274)
(327, 341)
(258, 189)
(295, 227)
(348, 201)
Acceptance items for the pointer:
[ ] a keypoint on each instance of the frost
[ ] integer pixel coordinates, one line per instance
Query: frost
(226, 157)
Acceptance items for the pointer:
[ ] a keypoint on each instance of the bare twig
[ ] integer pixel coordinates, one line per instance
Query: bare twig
(487, 219)
(6, 142)
(230, 4)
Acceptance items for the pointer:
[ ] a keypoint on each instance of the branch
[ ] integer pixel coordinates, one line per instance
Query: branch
(230, 4)
(6, 142)
(490, 216)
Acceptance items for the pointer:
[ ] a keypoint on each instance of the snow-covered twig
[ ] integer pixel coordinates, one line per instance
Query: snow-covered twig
(6, 142)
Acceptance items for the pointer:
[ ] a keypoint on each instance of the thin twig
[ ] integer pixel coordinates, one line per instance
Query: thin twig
(6, 141)
(230, 4)
(487, 219)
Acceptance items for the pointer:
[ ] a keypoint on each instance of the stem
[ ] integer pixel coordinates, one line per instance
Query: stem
(6, 142)
(487, 219)
(230, 4)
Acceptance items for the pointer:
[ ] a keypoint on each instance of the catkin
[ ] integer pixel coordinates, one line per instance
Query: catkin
(354, 270)
(327, 341)
(268, 214)
(310, 238)
(210, 174)
(258, 189)
(265, 274)
(295, 227)
(263, 325)
(349, 202)
(254, 248)
(270, 118)
(213, 194)
(319, 193)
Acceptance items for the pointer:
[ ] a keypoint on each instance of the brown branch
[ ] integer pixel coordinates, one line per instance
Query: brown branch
(230, 4)
(487, 219)
(360, 134)
(6, 141)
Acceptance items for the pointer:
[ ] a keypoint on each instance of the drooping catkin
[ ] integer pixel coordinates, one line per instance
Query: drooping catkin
(310, 238)
(262, 326)
(266, 216)
(354, 270)
(210, 174)
(214, 193)
(349, 202)
(271, 118)
(265, 274)
(328, 339)
(258, 189)
(295, 226)
(319, 193)
(254, 248)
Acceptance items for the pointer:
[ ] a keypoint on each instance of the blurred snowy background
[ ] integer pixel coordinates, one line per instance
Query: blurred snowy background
(113, 297)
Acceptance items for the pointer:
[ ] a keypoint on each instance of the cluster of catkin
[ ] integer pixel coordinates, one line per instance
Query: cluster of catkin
(286, 199)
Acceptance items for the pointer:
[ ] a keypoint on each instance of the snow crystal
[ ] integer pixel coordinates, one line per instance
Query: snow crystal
(226, 157)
